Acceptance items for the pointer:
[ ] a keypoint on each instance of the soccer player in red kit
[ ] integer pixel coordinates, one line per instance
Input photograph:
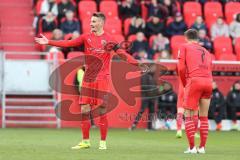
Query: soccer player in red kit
(94, 44)
(195, 72)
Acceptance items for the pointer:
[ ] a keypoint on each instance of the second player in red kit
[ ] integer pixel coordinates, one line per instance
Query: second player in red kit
(195, 72)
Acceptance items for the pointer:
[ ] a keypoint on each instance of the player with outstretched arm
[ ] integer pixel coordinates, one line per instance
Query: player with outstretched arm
(94, 78)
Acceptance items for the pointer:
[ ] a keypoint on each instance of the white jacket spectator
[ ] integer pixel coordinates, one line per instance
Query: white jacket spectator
(219, 29)
(235, 27)
(49, 6)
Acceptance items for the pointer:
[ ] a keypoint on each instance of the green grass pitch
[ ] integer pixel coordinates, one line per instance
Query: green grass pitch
(54, 144)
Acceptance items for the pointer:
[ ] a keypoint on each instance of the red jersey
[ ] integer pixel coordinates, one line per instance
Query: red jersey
(94, 45)
(194, 61)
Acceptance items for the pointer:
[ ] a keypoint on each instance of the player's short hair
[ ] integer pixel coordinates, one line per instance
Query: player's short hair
(99, 15)
(191, 34)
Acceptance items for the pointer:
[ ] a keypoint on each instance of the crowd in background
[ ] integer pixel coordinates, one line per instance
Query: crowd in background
(164, 19)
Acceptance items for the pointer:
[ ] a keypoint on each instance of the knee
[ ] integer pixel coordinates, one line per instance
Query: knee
(102, 110)
(85, 109)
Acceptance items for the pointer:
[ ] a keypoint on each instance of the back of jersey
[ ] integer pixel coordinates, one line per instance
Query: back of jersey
(198, 61)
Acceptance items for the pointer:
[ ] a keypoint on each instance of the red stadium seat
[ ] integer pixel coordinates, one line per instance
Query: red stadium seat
(231, 8)
(127, 23)
(227, 57)
(86, 9)
(50, 56)
(86, 25)
(38, 6)
(190, 11)
(113, 26)
(212, 10)
(237, 47)
(151, 39)
(222, 45)
(119, 38)
(175, 43)
(144, 11)
(109, 8)
(68, 36)
(74, 54)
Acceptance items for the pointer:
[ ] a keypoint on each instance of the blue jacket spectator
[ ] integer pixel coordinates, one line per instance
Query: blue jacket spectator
(199, 24)
(63, 7)
(70, 24)
(128, 9)
(178, 26)
(155, 26)
(204, 40)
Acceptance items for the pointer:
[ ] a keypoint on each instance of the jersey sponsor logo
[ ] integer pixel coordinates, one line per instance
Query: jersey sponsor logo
(103, 42)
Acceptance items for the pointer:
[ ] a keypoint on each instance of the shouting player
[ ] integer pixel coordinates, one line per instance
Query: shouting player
(194, 68)
(94, 43)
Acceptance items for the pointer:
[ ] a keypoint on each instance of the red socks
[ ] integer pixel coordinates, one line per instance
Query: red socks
(179, 121)
(190, 131)
(195, 119)
(203, 130)
(103, 124)
(85, 125)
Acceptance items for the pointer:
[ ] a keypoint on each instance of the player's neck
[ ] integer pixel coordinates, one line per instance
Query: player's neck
(99, 33)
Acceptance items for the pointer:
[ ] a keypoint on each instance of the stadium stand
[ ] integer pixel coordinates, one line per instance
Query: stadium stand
(190, 11)
(212, 10)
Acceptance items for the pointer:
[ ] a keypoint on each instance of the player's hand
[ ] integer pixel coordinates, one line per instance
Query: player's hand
(42, 40)
(144, 67)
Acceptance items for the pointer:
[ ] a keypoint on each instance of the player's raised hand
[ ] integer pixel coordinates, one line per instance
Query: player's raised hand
(42, 40)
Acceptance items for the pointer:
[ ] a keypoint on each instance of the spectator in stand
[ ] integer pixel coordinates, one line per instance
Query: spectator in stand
(137, 25)
(219, 29)
(140, 44)
(235, 27)
(154, 26)
(128, 9)
(217, 105)
(57, 34)
(178, 26)
(171, 7)
(63, 7)
(199, 24)
(204, 40)
(160, 43)
(46, 7)
(49, 6)
(167, 103)
(164, 54)
(49, 22)
(70, 24)
(156, 9)
(233, 104)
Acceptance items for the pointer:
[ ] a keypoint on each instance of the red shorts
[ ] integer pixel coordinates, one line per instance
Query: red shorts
(95, 93)
(180, 95)
(196, 89)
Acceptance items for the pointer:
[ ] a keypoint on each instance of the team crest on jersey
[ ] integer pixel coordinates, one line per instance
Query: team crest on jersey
(103, 42)
(89, 40)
